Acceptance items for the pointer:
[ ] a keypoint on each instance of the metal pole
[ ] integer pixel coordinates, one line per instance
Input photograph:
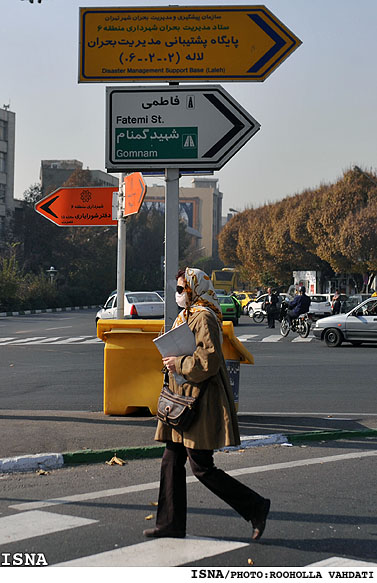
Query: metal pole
(121, 252)
(171, 243)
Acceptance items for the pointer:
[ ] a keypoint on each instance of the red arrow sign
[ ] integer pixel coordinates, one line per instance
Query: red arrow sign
(82, 206)
(135, 189)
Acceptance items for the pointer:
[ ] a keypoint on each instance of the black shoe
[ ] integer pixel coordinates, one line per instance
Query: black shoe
(161, 533)
(259, 522)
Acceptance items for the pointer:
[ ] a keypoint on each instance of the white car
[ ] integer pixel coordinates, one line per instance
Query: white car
(147, 305)
(256, 306)
(319, 306)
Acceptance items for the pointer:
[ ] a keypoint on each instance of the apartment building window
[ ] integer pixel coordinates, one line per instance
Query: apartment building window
(3, 159)
(2, 192)
(3, 130)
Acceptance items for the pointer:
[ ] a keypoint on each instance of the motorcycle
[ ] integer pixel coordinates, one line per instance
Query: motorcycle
(300, 325)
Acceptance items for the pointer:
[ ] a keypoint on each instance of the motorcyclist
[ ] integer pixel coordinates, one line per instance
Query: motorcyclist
(299, 305)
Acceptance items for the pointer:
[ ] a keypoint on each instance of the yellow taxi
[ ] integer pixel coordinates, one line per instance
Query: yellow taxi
(244, 297)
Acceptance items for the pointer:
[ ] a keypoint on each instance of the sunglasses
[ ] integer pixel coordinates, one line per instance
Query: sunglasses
(180, 289)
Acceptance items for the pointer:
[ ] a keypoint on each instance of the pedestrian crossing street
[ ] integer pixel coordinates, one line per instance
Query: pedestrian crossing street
(79, 340)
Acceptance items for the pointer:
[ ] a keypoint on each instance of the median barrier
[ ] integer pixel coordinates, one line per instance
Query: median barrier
(132, 363)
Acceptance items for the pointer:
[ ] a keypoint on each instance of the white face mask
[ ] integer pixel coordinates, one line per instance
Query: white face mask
(181, 299)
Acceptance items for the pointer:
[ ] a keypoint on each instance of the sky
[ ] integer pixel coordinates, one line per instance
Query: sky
(317, 110)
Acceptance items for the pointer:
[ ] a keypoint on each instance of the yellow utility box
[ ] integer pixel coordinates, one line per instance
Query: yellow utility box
(132, 364)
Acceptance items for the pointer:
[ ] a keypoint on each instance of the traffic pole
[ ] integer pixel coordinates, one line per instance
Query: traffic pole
(171, 243)
(121, 252)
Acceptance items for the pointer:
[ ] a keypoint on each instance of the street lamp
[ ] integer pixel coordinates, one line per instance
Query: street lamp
(234, 211)
(52, 273)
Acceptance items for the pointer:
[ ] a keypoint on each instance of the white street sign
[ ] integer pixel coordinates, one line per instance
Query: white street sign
(186, 127)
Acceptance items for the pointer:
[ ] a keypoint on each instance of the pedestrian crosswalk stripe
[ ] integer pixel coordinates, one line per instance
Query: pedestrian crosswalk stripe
(36, 523)
(11, 341)
(341, 562)
(26, 340)
(162, 552)
(247, 337)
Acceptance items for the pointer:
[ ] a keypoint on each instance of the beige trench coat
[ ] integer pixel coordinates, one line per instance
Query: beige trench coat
(216, 422)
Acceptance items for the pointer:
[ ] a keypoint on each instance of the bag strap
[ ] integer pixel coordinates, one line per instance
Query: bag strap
(202, 388)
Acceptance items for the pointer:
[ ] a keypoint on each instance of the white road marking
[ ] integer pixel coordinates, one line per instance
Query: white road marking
(59, 327)
(247, 337)
(341, 562)
(74, 339)
(307, 339)
(273, 338)
(27, 340)
(36, 523)
(155, 485)
(163, 552)
(2, 340)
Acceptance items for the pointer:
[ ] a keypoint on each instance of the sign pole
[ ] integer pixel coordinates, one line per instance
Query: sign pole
(171, 243)
(121, 252)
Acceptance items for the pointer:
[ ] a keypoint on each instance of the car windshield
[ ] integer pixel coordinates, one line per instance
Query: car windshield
(139, 298)
(109, 302)
(225, 300)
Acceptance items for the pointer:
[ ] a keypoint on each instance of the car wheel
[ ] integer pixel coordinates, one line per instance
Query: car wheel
(333, 337)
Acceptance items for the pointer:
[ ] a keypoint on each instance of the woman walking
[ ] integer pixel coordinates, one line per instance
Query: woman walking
(215, 425)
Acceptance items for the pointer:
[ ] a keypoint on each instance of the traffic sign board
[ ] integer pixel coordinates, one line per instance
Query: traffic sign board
(82, 206)
(135, 189)
(181, 127)
(239, 43)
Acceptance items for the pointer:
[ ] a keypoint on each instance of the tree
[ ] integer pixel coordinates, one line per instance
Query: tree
(328, 229)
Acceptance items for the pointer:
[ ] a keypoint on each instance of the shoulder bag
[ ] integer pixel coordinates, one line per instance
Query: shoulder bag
(177, 411)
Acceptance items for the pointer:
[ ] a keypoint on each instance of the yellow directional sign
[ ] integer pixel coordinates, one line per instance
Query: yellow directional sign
(229, 43)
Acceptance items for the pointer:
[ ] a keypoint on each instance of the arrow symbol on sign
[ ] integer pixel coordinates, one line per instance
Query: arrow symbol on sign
(238, 126)
(279, 43)
(46, 207)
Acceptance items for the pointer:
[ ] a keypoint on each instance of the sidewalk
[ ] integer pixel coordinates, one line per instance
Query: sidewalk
(50, 439)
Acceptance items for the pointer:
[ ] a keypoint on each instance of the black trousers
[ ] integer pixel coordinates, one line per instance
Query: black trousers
(271, 318)
(172, 502)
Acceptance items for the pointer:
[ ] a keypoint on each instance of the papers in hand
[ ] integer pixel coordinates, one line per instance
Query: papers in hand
(178, 341)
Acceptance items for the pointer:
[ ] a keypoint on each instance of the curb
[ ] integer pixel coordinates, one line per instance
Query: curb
(54, 461)
(46, 311)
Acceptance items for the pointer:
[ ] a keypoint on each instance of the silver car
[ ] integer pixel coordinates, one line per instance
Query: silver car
(357, 326)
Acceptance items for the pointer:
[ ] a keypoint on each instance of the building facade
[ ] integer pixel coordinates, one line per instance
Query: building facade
(200, 207)
(7, 153)
(54, 173)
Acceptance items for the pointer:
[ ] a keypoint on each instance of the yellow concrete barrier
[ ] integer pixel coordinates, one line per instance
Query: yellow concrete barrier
(132, 363)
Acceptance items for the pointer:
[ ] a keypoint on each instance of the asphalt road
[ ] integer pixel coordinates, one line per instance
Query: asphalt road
(323, 494)
(55, 362)
(323, 509)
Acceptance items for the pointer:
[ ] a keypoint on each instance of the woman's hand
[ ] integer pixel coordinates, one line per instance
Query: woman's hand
(169, 362)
